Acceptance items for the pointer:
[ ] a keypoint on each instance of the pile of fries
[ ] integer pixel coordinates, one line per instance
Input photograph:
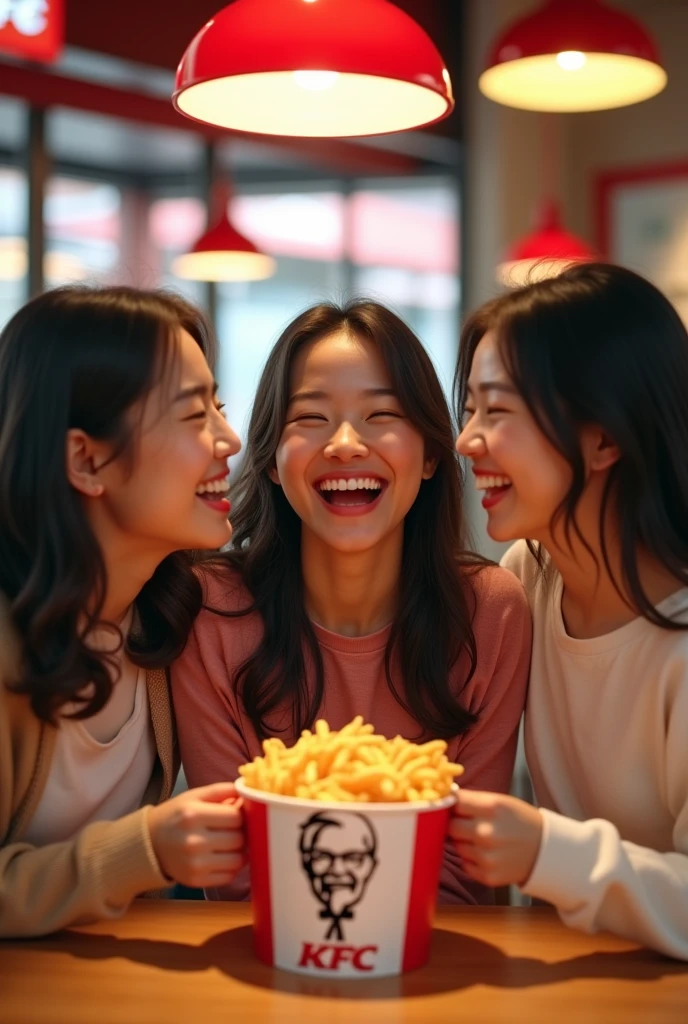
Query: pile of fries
(353, 765)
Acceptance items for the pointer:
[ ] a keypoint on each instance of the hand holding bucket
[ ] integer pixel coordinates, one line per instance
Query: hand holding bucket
(346, 883)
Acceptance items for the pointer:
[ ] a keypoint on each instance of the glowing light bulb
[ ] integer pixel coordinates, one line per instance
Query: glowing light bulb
(571, 60)
(316, 81)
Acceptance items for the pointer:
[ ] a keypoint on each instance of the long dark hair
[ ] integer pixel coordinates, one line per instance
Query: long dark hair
(80, 358)
(601, 345)
(433, 624)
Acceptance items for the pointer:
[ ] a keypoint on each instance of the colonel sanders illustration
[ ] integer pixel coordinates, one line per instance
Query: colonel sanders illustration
(338, 854)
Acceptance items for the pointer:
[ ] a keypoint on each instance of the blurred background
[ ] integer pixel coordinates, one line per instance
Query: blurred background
(101, 180)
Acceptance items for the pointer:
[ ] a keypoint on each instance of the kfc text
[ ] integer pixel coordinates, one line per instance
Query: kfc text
(329, 958)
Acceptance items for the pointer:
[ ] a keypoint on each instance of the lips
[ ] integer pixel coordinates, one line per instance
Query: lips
(347, 493)
(213, 492)
(495, 486)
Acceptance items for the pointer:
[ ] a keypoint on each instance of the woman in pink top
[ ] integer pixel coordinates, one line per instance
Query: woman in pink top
(348, 589)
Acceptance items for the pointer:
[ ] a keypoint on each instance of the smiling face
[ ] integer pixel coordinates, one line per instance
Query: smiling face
(349, 460)
(339, 858)
(172, 493)
(522, 476)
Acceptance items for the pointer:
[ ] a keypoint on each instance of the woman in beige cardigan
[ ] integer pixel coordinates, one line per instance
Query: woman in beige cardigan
(113, 460)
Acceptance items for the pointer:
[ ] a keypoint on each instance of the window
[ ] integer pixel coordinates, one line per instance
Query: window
(82, 224)
(396, 244)
(13, 251)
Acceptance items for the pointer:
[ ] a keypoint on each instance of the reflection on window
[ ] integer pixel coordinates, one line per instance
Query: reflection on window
(82, 224)
(13, 255)
(307, 225)
(174, 225)
(404, 244)
(410, 228)
(398, 245)
(305, 232)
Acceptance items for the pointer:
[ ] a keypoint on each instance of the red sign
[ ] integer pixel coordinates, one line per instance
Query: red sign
(32, 28)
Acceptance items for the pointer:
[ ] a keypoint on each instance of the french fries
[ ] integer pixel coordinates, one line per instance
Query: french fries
(352, 765)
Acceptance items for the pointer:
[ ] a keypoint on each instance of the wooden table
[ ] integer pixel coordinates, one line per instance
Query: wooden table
(167, 962)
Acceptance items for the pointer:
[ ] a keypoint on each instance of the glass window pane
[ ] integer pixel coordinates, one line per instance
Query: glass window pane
(174, 225)
(83, 232)
(304, 231)
(404, 244)
(13, 253)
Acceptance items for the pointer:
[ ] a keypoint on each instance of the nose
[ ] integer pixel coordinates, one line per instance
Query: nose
(226, 441)
(345, 444)
(471, 443)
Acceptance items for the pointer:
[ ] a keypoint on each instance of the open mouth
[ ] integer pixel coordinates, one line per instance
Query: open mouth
(350, 494)
(213, 493)
(495, 486)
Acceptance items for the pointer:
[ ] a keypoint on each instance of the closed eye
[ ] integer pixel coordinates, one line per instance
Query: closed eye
(306, 416)
(386, 412)
(203, 415)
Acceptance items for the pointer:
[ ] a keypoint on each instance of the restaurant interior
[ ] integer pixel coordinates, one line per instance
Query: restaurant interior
(119, 165)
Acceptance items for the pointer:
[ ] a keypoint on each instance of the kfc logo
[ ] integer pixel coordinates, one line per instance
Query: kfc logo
(338, 854)
(32, 28)
(329, 958)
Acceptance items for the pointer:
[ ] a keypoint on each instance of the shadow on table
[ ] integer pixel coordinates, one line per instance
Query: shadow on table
(457, 962)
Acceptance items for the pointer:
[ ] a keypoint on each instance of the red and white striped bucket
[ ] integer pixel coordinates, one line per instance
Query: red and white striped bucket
(344, 889)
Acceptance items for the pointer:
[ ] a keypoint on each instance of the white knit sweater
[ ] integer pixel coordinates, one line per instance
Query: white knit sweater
(607, 748)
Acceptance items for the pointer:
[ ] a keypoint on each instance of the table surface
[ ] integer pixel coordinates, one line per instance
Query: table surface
(178, 961)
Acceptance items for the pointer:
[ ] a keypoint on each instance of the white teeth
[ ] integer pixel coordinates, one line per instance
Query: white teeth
(351, 484)
(220, 487)
(487, 483)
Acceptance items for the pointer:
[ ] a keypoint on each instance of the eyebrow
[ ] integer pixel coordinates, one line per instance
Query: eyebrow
(196, 389)
(494, 385)
(315, 396)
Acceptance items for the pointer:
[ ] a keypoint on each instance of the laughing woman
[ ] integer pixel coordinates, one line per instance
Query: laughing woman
(349, 589)
(112, 454)
(574, 394)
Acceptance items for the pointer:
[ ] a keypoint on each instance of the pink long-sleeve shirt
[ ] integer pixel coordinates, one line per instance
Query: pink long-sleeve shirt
(216, 736)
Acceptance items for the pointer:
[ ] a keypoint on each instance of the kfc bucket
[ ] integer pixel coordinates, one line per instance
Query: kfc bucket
(345, 889)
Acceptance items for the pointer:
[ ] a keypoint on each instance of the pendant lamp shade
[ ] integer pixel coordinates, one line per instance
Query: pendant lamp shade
(318, 68)
(223, 254)
(545, 253)
(573, 55)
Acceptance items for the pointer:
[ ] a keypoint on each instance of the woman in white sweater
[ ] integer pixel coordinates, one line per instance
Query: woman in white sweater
(573, 394)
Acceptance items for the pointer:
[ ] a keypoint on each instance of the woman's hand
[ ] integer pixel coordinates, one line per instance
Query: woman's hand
(198, 836)
(498, 837)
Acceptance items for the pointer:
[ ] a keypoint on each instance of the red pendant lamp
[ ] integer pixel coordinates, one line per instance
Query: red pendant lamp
(546, 252)
(318, 68)
(222, 253)
(573, 55)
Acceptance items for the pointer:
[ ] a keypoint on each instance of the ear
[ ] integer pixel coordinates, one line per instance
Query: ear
(82, 456)
(429, 467)
(599, 451)
(274, 475)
